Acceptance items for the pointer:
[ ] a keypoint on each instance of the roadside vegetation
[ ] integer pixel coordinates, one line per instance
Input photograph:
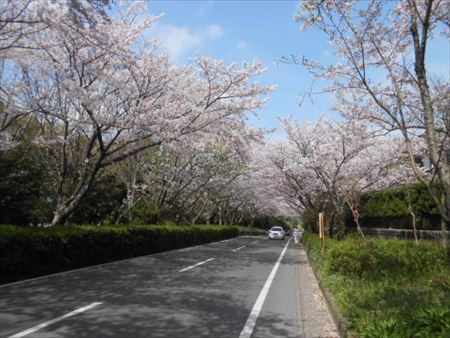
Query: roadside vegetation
(386, 288)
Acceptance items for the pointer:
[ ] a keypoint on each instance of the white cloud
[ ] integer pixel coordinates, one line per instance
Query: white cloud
(179, 41)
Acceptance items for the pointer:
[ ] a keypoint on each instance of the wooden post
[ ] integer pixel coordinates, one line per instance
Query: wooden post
(322, 230)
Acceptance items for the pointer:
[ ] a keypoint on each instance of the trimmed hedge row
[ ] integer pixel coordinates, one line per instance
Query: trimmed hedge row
(393, 202)
(30, 252)
(389, 209)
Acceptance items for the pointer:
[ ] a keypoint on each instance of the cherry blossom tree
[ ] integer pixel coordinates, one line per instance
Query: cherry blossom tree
(328, 166)
(194, 180)
(344, 160)
(373, 169)
(22, 24)
(103, 94)
(280, 184)
(16, 23)
(383, 74)
(19, 21)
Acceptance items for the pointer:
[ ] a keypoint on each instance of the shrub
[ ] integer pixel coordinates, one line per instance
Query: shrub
(389, 209)
(393, 202)
(379, 258)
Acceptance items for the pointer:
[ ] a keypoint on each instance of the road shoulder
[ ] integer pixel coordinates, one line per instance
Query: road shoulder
(315, 317)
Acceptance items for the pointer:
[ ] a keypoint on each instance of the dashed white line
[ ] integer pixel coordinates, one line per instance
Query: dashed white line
(195, 265)
(55, 320)
(241, 247)
(251, 320)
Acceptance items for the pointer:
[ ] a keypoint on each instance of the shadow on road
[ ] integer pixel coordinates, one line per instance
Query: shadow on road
(149, 297)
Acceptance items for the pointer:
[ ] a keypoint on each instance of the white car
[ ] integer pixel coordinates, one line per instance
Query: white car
(276, 233)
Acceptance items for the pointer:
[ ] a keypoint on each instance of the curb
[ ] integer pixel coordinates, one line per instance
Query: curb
(338, 318)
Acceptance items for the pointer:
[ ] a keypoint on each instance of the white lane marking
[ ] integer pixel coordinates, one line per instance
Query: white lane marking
(210, 243)
(57, 319)
(241, 247)
(195, 265)
(251, 320)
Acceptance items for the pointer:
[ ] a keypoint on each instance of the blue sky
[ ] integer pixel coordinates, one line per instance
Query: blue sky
(236, 31)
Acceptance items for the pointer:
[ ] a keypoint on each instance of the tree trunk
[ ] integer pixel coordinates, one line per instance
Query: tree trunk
(59, 216)
(65, 207)
(419, 28)
(358, 225)
(241, 217)
(330, 221)
(340, 219)
(414, 222)
(445, 224)
(130, 201)
(412, 213)
(64, 210)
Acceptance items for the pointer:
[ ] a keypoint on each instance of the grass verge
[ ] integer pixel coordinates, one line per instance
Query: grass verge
(386, 288)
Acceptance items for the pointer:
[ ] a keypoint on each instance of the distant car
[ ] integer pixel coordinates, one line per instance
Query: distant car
(276, 233)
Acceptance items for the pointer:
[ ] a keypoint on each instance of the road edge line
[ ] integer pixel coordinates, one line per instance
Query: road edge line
(257, 307)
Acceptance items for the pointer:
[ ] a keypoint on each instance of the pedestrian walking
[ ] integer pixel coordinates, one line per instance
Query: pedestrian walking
(297, 235)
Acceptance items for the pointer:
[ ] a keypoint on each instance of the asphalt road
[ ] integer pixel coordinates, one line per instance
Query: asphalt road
(227, 289)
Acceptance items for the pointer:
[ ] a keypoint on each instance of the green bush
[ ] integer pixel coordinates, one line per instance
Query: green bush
(29, 252)
(389, 209)
(386, 288)
(24, 186)
(393, 202)
(379, 258)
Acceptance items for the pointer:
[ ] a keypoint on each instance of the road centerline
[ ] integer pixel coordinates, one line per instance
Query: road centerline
(241, 247)
(251, 320)
(54, 320)
(195, 265)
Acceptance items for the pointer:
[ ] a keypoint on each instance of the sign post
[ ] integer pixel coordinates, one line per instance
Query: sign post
(322, 230)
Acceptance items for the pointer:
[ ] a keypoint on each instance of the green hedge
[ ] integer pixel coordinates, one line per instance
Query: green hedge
(389, 209)
(386, 288)
(393, 202)
(29, 252)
